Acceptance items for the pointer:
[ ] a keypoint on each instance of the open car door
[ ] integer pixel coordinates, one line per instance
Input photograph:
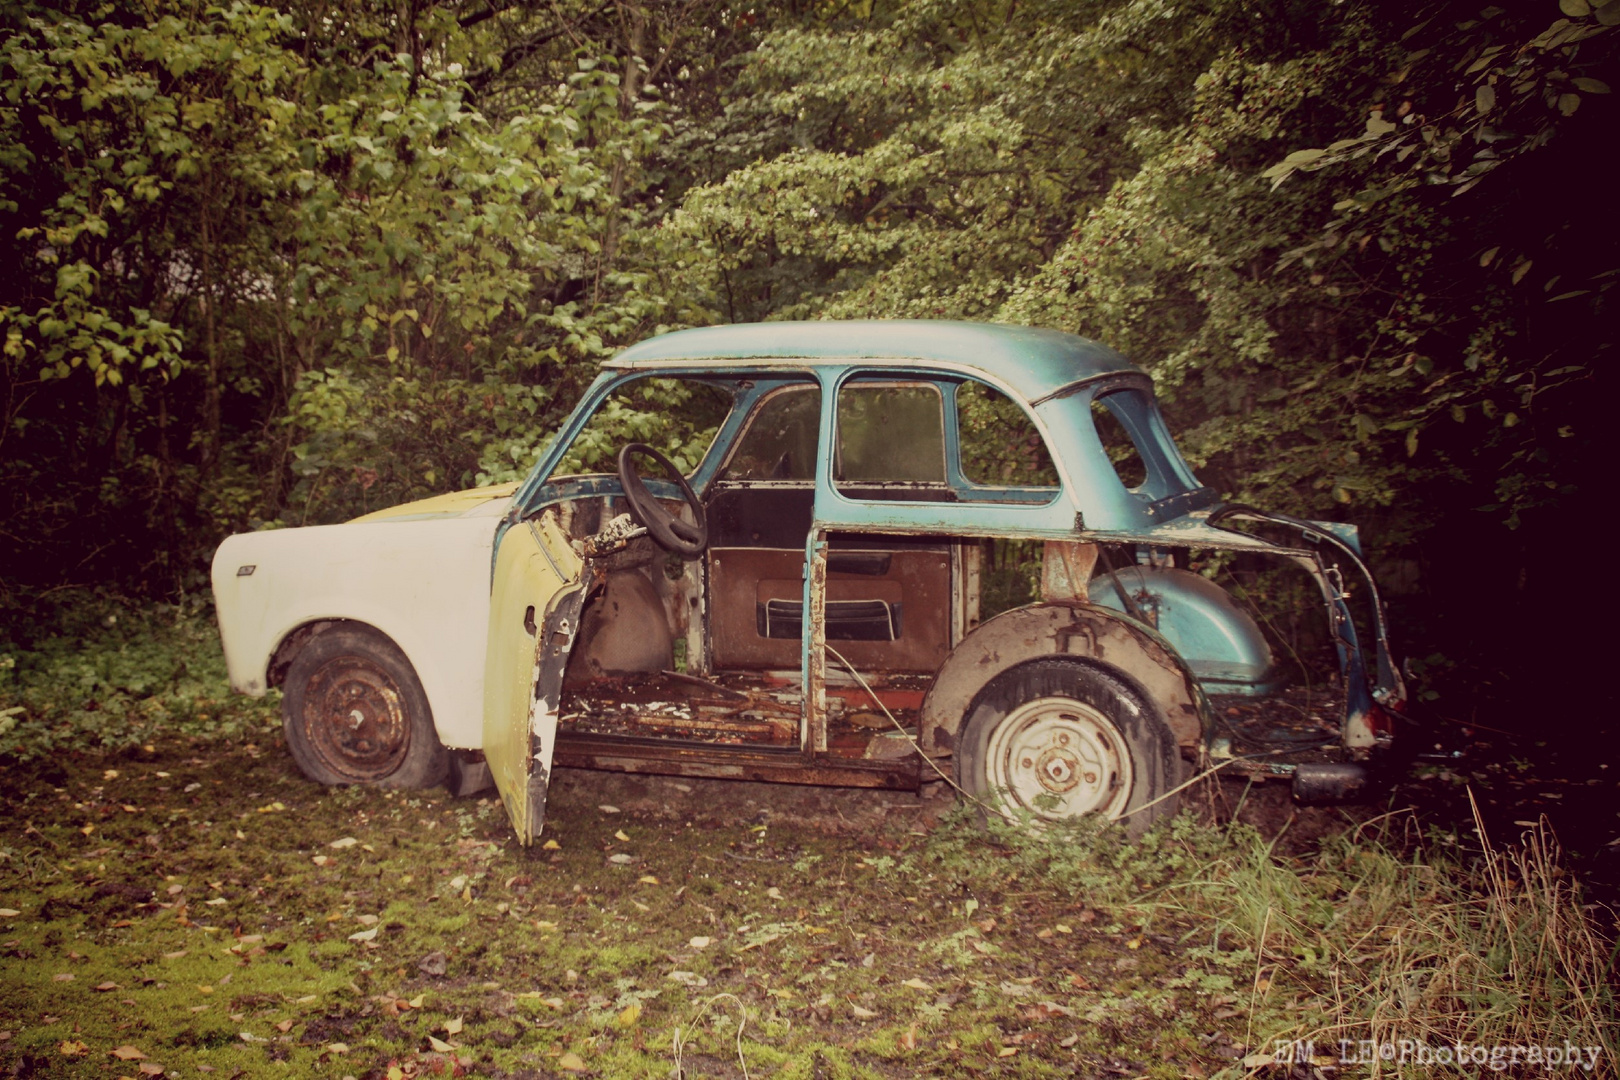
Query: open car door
(533, 617)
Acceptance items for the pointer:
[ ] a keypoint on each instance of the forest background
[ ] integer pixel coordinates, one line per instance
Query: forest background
(281, 265)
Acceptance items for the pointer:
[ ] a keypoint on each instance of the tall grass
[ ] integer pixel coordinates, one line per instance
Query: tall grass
(1397, 945)
(1379, 937)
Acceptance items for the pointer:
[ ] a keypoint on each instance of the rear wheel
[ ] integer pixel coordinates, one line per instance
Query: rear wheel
(354, 713)
(1055, 740)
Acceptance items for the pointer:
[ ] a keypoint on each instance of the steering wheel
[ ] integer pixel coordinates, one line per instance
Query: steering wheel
(671, 533)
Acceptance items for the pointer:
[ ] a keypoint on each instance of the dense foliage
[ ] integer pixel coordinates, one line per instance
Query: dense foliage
(277, 265)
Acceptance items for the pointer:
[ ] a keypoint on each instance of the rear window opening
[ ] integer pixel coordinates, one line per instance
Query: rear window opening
(1123, 453)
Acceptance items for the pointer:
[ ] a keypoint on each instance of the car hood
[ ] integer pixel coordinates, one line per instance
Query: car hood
(474, 502)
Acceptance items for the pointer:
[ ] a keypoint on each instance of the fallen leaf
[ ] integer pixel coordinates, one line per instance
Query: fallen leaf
(284, 1026)
(648, 879)
(1134, 943)
(337, 1048)
(864, 1014)
(688, 978)
(62, 977)
(320, 860)
(453, 1027)
(908, 1038)
(128, 1053)
(774, 893)
(150, 1069)
(629, 1016)
(364, 935)
(440, 1045)
(571, 1062)
(701, 942)
(72, 1048)
(432, 964)
(621, 859)
(343, 842)
(1255, 1061)
(606, 809)
(106, 986)
(218, 901)
(9, 913)
(1069, 1041)
(551, 845)
(249, 1037)
(621, 835)
(205, 989)
(416, 1002)
(458, 883)
(1060, 928)
(1007, 1051)
(916, 984)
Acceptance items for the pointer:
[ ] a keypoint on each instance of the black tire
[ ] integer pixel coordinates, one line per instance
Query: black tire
(1056, 739)
(354, 713)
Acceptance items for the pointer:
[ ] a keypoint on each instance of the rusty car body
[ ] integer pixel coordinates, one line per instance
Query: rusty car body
(807, 603)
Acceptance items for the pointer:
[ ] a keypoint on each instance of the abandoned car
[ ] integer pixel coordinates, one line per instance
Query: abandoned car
(823, 596)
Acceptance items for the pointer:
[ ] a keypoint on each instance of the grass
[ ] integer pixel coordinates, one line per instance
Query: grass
(185, 896)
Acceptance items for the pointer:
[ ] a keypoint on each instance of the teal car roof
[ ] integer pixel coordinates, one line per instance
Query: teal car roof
(1032, 362)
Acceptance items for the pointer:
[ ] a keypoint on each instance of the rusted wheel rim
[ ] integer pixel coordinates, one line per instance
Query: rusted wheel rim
(355, 720)
(1059, 758)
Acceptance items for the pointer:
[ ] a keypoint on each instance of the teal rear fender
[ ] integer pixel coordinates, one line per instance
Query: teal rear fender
(1083, 631)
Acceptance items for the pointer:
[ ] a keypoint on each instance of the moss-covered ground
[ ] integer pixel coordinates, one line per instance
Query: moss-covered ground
(210, 910)
(176, 900)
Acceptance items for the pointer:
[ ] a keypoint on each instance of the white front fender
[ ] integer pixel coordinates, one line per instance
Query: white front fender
(425, 584)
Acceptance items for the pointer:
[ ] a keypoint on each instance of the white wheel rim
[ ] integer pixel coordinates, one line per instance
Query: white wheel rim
(1058, 758)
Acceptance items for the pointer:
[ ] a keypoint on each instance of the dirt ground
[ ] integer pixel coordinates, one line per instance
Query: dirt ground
(862, 812)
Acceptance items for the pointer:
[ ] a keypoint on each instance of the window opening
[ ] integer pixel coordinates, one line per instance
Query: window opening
(780, 441)
(890, 433)
(1122, 450)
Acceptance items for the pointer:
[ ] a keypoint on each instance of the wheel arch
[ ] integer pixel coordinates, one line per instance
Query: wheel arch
(1082, 632)
(293, 641)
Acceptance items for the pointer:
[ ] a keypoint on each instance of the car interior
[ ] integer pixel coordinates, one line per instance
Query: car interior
(709, 650)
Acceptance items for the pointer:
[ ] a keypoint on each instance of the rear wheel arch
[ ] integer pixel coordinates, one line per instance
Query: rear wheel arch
(1071, 630)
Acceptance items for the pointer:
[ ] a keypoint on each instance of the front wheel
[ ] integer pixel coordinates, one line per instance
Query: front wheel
(354, 713)
(1053, 740)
